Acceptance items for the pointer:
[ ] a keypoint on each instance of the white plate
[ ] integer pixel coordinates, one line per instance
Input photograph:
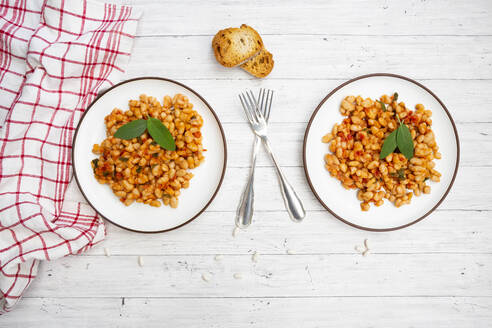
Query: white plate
(139, 217)
(343, 203)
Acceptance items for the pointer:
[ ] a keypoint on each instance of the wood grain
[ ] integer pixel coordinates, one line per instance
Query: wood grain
(356, 312)
(437, 273)
(273, 233)
(354, 17)
(295, 100)
(287, 140)
(336, 57)
(272, 276)
(469, 191)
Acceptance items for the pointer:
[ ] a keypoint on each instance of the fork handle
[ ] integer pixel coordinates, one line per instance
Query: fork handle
(291, 200)
(244, 214)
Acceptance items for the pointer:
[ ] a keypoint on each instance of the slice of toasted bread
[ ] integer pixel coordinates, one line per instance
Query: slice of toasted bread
(261, 65)
(233, 46)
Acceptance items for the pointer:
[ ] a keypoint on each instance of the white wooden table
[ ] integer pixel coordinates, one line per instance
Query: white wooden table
(437, 273)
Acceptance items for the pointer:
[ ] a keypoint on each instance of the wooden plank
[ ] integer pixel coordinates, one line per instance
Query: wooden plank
(353, 312)
(287, 140)
(273, 233)
(323, 57)
(316, 17)
(471, 190)
(434, 274)
(272, 276)
(295, 100)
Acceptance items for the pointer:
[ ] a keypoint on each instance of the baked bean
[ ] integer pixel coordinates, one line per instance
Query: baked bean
(356, 142)
(327, 138)
(139, 169)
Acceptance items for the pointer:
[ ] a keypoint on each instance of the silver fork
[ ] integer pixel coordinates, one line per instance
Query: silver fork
(244, 214)
(259, 126)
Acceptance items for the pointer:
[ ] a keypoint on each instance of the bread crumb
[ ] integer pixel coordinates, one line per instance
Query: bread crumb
(205, 277)
(254, 257)
(218, 257)
(106, 252)
(358, 249)
(366, 244)
(290, 252)
(140, 261)
(234, 231)
(237, 276)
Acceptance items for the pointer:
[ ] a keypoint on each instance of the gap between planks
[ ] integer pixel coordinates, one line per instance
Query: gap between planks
(346, 78)
(251, 297)
(285, 254)
(142, 36)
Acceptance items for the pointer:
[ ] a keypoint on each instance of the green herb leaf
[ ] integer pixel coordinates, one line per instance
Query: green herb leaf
(383, 106)
(131, 130)
(398, 118)
(404, 141)
(160, 134)
(95, 161)
(401, 174)
(155, 155)
(395, 97)
(139, 169)
(389, 145)
(123, 159)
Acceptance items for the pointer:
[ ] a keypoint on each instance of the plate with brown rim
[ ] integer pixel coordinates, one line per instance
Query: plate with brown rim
(343, 203)
(139, 217)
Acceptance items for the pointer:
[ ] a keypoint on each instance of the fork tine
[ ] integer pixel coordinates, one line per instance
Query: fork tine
(250, 104)
(252, 99)
(265, 103)
(253, 108)
(246, 110)
(262, 95)
(269, 107)
(259, 98)
(261, 112)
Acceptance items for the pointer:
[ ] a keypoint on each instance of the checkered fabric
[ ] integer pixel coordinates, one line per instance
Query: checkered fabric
(55, 56)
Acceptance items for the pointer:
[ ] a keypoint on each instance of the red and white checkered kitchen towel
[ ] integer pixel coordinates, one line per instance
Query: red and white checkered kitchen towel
(55, 56)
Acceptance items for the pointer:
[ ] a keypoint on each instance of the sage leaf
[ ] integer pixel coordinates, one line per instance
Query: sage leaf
(398, 118)
(383, 106)
(395, 97)
(160, 134)
(131, 130)
(389, 145)
(404, 141)
(400, 174)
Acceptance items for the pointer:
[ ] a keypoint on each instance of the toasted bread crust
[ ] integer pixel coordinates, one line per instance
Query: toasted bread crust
(233, 46)
(261, 65)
